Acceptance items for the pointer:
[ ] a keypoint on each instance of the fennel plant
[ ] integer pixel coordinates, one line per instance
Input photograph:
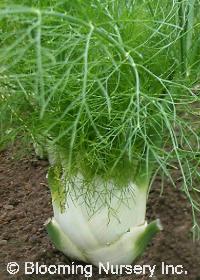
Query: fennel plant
(108, 91)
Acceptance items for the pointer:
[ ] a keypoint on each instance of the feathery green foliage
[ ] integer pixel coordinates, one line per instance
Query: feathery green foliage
(107, 84)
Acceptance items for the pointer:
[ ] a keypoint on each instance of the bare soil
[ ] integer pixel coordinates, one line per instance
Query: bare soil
(25, 204)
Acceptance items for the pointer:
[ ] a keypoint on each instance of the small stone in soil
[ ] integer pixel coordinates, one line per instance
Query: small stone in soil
(28, 227)
(3, 242)
(34, 230)
(20, 215)
(25, 238)
(33, 238)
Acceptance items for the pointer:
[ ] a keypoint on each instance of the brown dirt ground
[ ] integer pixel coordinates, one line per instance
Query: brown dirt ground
(25, 204)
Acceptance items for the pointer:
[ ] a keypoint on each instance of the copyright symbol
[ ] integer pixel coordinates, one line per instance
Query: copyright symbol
(12, 267)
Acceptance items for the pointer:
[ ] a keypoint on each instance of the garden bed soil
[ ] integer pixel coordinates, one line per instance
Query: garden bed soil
(25, 205)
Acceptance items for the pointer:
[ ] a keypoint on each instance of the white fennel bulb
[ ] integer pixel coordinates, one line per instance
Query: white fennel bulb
(88, 229)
